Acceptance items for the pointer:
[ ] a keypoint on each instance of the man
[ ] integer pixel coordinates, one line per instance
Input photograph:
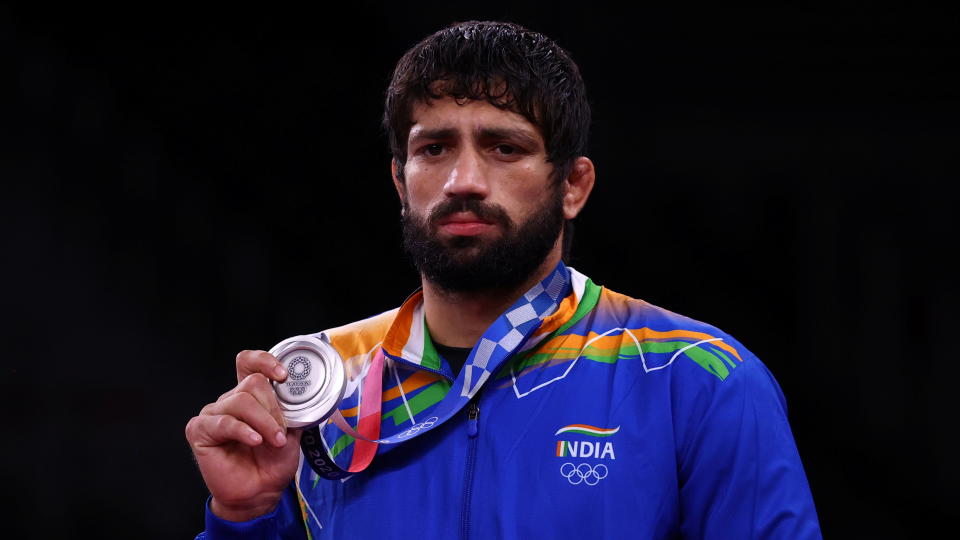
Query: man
(517, 398)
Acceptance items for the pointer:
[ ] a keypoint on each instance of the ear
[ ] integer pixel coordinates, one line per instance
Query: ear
(397, 182)
(577, 186)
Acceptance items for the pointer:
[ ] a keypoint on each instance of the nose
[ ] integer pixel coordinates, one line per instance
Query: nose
(467, 177)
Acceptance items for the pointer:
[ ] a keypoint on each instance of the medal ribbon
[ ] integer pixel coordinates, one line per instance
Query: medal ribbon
(501, 340)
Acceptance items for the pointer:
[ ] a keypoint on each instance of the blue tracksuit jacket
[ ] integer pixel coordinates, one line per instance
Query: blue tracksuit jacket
(616, 419)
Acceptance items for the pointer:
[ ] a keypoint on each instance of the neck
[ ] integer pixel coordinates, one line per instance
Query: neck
(458, 319)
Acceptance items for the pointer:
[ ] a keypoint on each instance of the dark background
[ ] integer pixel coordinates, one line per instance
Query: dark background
(178, 185)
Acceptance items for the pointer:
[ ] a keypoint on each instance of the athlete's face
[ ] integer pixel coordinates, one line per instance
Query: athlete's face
(481, 210)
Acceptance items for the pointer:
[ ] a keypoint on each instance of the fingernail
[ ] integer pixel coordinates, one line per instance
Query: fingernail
(281, 438)
(280, 372)
(254, 436)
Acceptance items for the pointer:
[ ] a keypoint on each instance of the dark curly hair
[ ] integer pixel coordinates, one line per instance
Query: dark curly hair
(509, 66)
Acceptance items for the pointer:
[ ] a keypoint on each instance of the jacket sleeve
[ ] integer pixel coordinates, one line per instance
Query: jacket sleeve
(739, 470)
(283, 523)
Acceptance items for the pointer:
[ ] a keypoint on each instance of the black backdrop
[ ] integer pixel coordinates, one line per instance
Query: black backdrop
(180, 185)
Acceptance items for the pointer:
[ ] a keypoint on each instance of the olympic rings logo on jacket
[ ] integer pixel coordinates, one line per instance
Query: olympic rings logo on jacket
(584, 473)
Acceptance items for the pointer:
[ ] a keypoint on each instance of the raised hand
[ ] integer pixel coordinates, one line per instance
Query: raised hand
(246, 454)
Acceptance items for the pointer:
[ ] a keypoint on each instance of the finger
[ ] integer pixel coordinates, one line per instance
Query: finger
(245, 407)
(262, 390)
(259, 362)
(215, 430)
(252, 381)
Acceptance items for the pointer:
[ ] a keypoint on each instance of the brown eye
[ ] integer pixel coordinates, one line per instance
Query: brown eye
(433, 149)
(506, 149)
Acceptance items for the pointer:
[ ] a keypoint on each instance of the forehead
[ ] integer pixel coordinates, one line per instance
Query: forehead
(467, 116)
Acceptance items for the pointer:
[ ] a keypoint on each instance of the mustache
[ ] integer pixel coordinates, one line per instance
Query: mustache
(487, 212)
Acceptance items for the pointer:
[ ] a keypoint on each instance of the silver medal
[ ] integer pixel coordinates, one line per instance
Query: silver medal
(315, 380)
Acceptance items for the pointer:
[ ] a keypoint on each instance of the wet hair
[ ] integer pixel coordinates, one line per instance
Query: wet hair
(505, 64)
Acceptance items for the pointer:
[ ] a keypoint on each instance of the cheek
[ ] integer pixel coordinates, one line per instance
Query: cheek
(421, 184)
(532, 181)
(528, 187)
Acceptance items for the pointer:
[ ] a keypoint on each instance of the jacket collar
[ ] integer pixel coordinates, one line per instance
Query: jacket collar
(408, 338)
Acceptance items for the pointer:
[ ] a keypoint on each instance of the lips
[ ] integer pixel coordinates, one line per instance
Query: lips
(464, 224)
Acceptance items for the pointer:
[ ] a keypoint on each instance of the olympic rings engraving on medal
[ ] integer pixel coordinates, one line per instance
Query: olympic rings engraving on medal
(584, 473)
(295, 370)
(299, 369)
(416, 428)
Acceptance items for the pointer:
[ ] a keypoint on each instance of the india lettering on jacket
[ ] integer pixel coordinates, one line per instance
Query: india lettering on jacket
(585, 449)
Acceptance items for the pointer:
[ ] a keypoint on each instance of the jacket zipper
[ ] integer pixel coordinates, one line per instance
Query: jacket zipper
(473, 429)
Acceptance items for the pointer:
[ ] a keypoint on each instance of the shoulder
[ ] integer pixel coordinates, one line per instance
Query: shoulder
(715, 383)
(665, 340)
(358, 338)
(709, 372)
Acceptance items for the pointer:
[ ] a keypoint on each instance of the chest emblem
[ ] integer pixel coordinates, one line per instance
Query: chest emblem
(581, 442)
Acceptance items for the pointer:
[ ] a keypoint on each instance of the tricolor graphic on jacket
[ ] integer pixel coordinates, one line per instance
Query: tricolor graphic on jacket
(588, 448)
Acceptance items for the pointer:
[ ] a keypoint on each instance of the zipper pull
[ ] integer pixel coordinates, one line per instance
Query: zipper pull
(473, 414)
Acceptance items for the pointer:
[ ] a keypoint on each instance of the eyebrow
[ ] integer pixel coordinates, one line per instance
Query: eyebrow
(433, 134)
(482, 134)
(508, 133)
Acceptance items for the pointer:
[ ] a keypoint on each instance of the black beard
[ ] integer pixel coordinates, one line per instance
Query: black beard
(467, 263)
